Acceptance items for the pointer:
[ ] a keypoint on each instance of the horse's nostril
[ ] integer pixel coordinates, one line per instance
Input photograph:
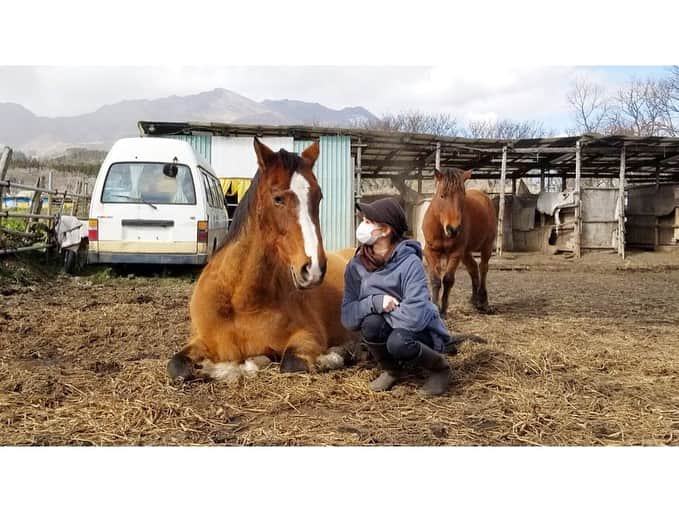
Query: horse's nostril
(451, 231)
(305, 273)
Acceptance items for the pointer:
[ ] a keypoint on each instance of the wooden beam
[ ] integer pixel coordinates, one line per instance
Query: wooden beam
(388, 158)
(501, 207)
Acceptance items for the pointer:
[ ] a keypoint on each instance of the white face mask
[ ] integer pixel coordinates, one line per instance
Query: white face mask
(364, 233)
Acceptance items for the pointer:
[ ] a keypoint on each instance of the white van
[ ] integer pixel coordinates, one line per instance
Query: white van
(155, 201)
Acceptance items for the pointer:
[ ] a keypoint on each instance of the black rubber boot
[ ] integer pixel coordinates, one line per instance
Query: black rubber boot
(438, 382)
(391, 373)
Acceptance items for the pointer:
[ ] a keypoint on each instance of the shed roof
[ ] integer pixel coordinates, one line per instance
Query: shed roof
(385, 153)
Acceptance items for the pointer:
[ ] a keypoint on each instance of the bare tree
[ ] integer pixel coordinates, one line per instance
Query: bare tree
(639, 109)
(414, 121)
(668, 98)
(506, 129)
(590, 106)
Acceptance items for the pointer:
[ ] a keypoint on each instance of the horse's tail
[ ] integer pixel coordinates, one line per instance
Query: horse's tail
(457, 339)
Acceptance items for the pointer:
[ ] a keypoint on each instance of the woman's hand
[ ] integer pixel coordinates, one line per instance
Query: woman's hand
(389, 303)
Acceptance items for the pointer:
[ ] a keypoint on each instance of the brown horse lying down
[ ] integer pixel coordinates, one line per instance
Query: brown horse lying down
(457, 223)
(270, 290)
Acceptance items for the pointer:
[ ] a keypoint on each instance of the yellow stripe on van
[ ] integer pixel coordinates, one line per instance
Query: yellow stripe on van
(147, 247)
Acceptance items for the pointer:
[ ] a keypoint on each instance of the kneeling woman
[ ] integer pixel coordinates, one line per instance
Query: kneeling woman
(386, 296)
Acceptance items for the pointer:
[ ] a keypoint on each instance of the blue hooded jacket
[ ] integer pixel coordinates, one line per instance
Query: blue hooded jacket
(402, 277)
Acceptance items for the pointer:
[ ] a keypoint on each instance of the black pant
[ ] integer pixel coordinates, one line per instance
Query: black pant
(402, 344)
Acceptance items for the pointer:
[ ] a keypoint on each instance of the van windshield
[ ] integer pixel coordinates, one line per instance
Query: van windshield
(142, 182)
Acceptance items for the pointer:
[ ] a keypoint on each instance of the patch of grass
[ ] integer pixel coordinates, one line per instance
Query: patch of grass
(14, 224)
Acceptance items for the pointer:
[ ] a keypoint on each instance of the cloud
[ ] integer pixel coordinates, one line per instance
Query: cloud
(468, 92)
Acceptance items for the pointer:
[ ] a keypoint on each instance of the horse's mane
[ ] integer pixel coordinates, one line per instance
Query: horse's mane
(453, 180)
(248, 205)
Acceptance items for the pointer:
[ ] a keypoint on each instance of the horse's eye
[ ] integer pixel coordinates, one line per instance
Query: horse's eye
(278, 200)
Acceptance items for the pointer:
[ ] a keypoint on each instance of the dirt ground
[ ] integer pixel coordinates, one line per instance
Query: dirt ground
(579, 353)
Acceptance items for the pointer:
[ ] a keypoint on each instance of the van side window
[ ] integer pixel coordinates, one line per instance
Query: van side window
(218, 193)
(208, 189)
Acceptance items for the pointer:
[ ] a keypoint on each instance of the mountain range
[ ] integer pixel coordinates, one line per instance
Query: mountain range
(22, 130)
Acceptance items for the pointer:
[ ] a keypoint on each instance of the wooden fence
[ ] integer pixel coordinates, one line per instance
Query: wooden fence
(39, 230)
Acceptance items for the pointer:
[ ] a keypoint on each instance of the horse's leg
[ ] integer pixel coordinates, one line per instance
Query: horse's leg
(300, 352)
(185, 364)
(473, 269)
(448, 283)
(433, 263)
(482, 304)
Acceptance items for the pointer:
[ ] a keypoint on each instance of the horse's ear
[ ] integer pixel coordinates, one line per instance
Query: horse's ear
(438, 175)
(467, 174)
(264, 153)
(311, 153)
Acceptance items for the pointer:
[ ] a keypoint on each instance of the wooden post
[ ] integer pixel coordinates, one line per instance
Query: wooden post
(542, 189)
(563, 182)
(36, 204)
(76, 198)
(419, 181)
(501, 207)
(5, 159)
(656, 237)
(49, 194)
(577, 233)
(621, 205)
(357, 181)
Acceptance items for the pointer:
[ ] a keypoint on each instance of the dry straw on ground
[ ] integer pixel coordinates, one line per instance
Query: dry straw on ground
(575, 357)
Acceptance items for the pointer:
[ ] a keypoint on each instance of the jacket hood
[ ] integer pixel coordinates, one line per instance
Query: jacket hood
(404, 249)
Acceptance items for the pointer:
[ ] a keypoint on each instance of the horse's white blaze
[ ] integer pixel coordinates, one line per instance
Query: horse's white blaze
(300, 186)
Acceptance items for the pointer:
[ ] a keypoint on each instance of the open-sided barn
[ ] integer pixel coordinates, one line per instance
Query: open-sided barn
(577, 216)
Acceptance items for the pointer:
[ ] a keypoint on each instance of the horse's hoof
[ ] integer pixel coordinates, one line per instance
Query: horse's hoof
(180, 367)
(486, 309)
(291, 363)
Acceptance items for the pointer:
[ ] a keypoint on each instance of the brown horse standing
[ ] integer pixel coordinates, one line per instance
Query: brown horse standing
(270, 290)
(456, 224)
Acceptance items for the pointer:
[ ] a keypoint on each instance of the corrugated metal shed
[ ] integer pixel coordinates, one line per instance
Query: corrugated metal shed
(333, 170)
(234, 157)
(201, 143)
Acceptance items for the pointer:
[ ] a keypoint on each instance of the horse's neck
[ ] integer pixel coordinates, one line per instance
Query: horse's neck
(254, 276)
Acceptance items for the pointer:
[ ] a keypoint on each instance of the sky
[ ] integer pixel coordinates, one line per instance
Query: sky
(469, 92)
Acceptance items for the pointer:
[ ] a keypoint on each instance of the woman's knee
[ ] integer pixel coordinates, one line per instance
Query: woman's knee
(374, 328)
(402, 345)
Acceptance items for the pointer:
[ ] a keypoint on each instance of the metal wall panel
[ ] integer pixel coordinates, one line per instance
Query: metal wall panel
(333, 171)
(599, 218)
(201, 144)
(234, 157)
